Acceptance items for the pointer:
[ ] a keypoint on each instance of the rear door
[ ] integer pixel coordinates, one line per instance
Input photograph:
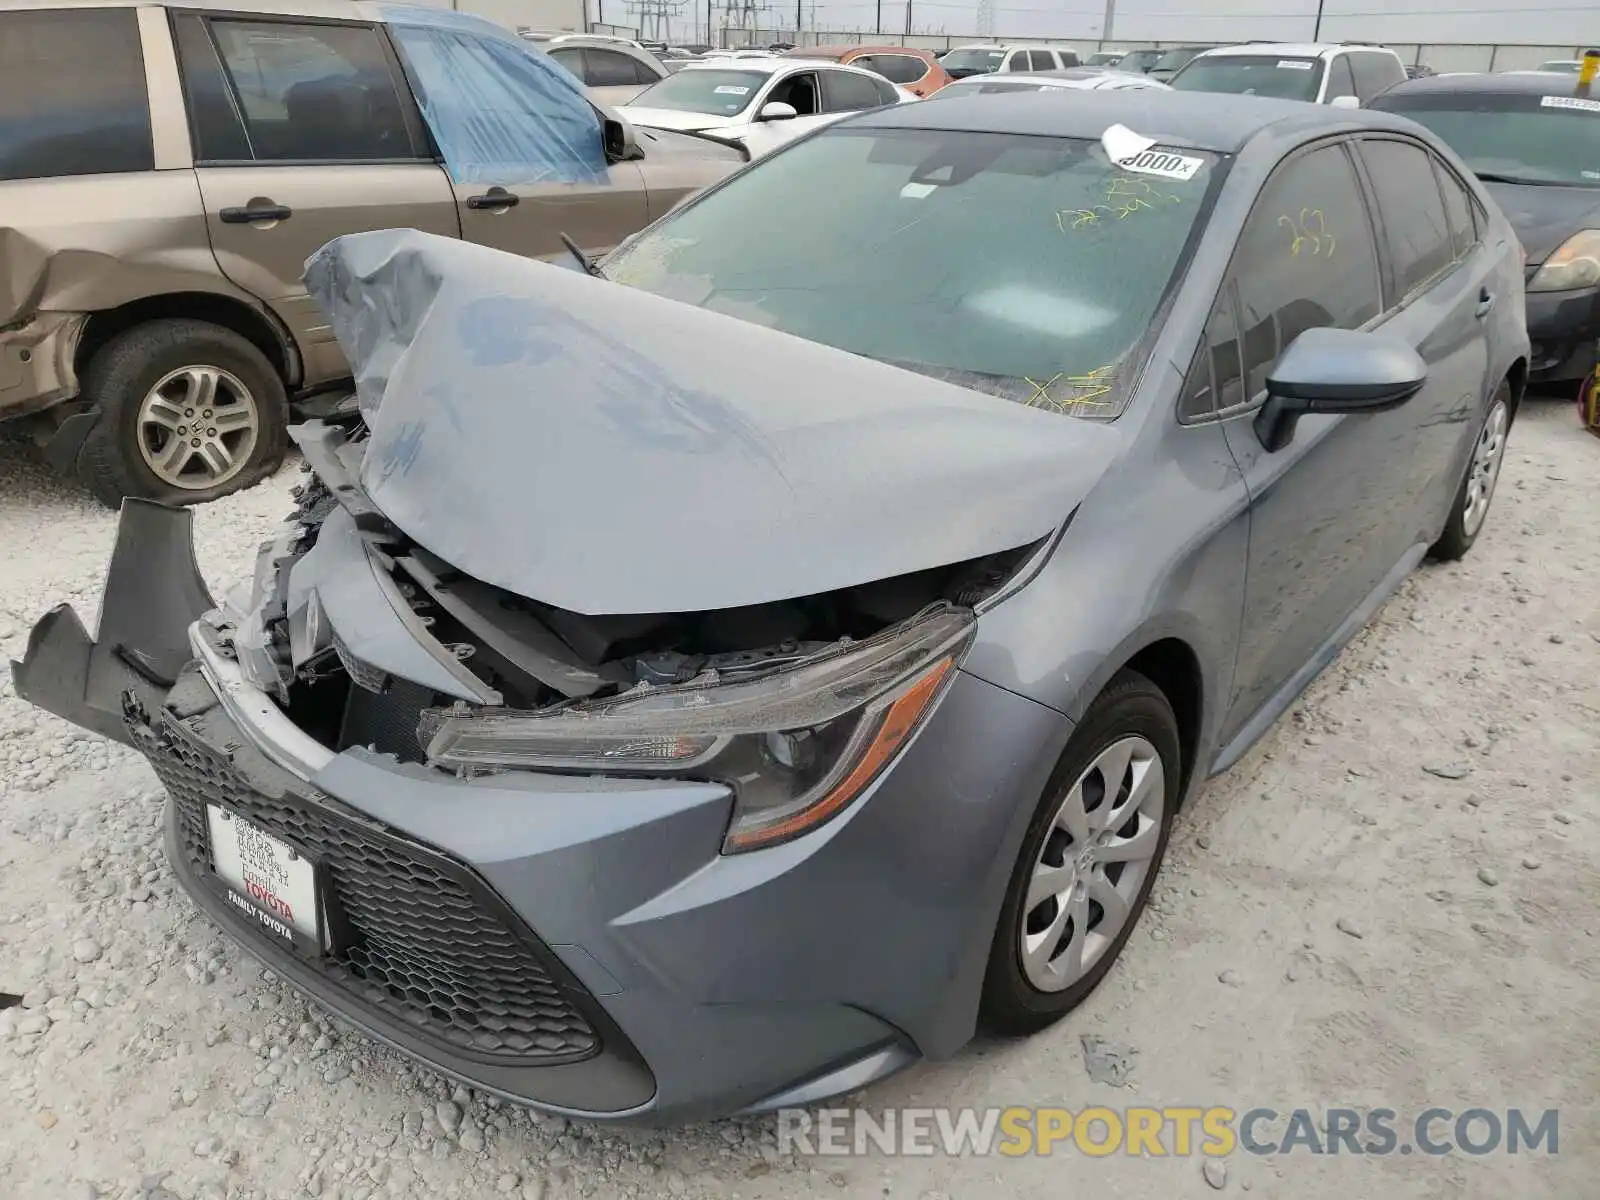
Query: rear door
(845, 92)
(1327, 521)
(302, 132)
(1439, 288)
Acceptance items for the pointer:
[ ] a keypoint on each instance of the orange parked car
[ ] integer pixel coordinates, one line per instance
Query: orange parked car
(915, 70)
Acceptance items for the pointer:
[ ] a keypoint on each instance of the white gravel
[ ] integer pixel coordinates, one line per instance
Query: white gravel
(1392, 902)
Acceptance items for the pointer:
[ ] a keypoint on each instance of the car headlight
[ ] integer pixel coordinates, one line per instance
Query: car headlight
(1575, 264)
(796, 746)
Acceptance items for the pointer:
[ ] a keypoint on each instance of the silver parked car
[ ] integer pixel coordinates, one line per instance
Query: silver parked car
(636, 731)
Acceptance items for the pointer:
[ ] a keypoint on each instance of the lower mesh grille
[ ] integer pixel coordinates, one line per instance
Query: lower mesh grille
(417, 939)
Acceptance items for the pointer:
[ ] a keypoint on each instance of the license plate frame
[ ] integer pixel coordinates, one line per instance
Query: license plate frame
(267, 880)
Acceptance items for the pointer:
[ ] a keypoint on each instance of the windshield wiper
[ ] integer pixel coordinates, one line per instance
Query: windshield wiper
(588, 264)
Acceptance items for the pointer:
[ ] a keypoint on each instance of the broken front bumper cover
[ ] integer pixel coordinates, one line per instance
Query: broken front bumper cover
(659, 1013)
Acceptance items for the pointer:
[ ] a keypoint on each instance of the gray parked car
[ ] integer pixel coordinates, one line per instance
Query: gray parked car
(631, 730)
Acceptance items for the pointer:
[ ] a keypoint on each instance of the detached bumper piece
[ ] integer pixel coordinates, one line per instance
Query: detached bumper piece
(418, 951)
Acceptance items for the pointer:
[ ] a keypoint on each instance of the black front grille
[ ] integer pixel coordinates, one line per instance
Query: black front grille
(417, 937)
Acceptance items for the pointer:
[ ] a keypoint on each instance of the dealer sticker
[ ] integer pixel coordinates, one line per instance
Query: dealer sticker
(1294, 64)
(1163, 163)
(1577, 102)
(730, 89)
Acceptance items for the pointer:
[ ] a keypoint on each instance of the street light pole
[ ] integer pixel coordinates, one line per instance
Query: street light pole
(879, 26)
(1316, 30)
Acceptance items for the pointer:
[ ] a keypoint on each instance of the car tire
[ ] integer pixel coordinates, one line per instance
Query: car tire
(149, 383)
(1470, 509)
(1020, 992)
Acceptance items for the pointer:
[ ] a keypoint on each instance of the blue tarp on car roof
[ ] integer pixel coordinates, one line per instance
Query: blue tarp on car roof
(500, 111)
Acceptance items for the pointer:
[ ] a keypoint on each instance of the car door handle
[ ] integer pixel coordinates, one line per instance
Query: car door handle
(255, 212)
(494, 198)
(1485, 302)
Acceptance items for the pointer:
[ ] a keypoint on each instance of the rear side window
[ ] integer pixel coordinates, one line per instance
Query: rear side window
(1458, 210)
(1306, 259)
(843, 91)
(72, 94)
(607, 68)
(1375, 72)
(1069, 58)
(897, 68)
(1416, 230)
(1340, 81)
(313, 93)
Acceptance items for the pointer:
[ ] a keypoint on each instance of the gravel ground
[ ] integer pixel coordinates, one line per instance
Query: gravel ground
(1392, 901)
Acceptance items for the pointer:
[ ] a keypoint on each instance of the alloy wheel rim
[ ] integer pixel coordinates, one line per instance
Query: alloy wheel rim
(197, 427)
(1484, 470)
(1093, 864)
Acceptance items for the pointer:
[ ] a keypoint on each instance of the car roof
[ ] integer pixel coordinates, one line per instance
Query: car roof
(1066, 77)
(1527, 83)
(771, 66)
(1220, 122)
(1013, 46)
(833, 52)
(1291, 49)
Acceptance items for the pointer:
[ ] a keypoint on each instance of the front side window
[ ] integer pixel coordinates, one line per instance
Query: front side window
(72, 94)
(722, 93)
(1340, 81)
(1026, 267)
(1215, 382)
(1418, 232)
(311, 93)
(844, 91)
(1306, 260)
(1375, 72)
(1252, 75)
(1512, 137)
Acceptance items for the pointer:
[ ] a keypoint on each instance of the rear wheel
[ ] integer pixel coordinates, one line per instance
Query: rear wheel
(1088, 861)
(1471, 507)
(189, 411)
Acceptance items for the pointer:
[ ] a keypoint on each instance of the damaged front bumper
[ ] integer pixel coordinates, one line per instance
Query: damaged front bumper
(578, 943)
(36, 363)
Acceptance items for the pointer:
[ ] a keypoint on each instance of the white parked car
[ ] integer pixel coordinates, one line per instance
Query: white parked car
(1344, 74)
(614, 70)
(1003, 60)
(1091, 79)
(760, 102)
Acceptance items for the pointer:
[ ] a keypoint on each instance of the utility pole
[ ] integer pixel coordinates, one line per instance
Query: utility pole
(1316, 30)
(879, 26)
(908, 20)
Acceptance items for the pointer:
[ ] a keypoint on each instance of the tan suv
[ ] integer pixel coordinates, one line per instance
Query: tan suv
(166, 169)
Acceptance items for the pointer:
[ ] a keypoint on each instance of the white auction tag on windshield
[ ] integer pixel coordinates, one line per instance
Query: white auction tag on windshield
(916, 191)
(1163, 163)
(1293, 64)
(1577, 102)
(731, 89)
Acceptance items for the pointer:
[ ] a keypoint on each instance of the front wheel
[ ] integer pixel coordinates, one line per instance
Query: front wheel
(1088, 861)
(1465, 522)
(189, 411)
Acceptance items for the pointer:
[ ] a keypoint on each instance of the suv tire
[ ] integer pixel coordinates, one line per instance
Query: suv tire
(149, 383)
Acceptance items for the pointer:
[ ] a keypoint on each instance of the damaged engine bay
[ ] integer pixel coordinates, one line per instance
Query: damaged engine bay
(489, 651)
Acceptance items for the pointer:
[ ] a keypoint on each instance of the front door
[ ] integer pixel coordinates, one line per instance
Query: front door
(302, 133)
(802, 90)
(1323, 509)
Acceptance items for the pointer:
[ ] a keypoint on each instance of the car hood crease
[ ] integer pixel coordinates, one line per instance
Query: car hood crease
(608, 451)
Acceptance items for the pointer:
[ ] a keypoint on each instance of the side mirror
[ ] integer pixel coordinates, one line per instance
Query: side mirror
(1344, 102)
(621, 142)
(777, 110)
(1336, 371)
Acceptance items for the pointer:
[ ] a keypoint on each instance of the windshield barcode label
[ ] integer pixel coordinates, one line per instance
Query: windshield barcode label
(1577, 102)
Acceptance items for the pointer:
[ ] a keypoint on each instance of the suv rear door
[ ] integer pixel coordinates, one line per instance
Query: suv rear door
(303, 131)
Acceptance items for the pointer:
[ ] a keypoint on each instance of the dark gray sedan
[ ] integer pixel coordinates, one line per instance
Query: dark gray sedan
(715, 685)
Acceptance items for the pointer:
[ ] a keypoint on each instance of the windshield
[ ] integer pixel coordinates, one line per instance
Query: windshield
(972, 61)
(1252, 75)
(1172, 60)
(725, 93)
(1026, 267)
(1519, 138)
(1139, 60)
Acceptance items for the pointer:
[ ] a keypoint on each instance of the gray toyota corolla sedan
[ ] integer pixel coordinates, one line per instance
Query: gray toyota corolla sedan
(715, 684)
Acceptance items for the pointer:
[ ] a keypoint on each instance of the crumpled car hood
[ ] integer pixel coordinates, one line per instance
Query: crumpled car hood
(609, 451)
